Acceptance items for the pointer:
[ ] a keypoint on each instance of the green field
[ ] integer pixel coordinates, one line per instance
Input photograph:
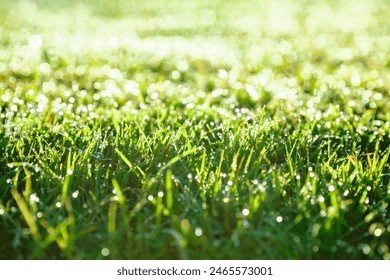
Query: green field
(194, 129)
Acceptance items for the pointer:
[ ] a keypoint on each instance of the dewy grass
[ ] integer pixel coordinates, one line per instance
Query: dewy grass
(198, 130)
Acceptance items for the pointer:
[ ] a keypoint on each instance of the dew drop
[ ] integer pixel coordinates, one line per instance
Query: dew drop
(105, 252)
(175, 75)
(366, 249)
(35, 41)
(377, 232)
(34, 198)
(198, 231)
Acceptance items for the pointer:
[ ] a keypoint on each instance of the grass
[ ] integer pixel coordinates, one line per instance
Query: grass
(177, 130)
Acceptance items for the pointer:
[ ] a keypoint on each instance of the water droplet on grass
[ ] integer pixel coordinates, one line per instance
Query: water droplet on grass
(355, 80)
(105, 252)
(35, 41)
(34, 198)
(175, 75)
(198, 231)
(377, 232)
(377, 96)
(366, 249)
(245, 212)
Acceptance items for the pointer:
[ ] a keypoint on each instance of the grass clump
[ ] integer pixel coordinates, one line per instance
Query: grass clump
(179, 131)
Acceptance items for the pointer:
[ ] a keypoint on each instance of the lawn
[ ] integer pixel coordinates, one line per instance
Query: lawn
(173, 129)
